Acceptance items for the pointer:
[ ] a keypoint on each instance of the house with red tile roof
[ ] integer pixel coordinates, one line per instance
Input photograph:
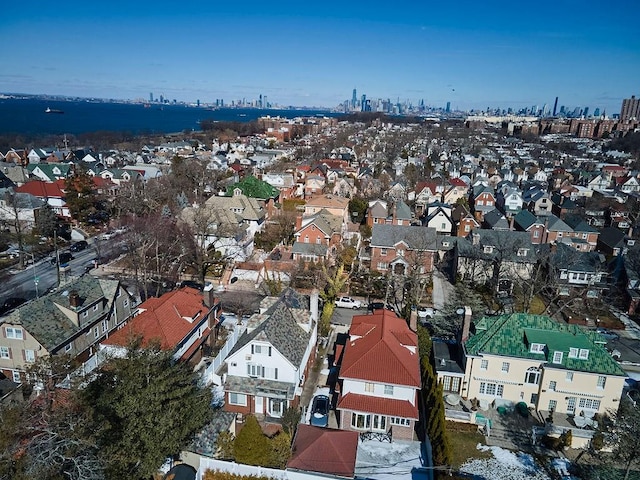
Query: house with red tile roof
(50, 192)
(181, 321)
(324, 450)
(380, 377)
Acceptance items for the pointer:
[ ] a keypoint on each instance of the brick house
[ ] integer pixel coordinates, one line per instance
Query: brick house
(380, 377)
(317, 236)
(402, 250)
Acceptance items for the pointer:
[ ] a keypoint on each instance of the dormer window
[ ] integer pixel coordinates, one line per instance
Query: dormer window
(584, 354)
(537, 348)
(557, 357)
(522, 252)
(488, 249)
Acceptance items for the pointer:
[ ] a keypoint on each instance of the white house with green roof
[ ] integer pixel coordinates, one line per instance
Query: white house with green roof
(546, 364)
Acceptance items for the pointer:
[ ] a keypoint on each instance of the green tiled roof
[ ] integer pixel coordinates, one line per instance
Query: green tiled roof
(254, 188)
(511, 336)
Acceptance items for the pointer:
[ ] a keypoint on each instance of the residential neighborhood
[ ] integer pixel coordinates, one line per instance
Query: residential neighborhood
(335, 293)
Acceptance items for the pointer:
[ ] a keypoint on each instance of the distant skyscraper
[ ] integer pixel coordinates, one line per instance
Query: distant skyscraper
(354, 99)
(555, 107)
(198, 102)
(596, 112)
(585, 113)
(151, 97)
(448, 109)
(363, 102)
(630, 109)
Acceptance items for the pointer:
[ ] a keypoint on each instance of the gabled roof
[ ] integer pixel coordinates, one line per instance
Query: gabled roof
(495, 219)
(47, 169)
(381, 349)
(570, 259)
(578, 224)
(325, 221)
(506, 246)
(416, 238)
(254, 188)
(168, 319)
(612, 237)
(279, 327)
(511, 336)
(525, 220)
(41, 189)
(47, 323)
(386, 406)
(324, 450)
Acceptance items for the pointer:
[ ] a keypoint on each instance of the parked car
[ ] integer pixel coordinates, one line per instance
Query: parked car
(426, 312)
(607, 334)
(107, 235)
(348, 302)
(320, 411)
(192, 284)
(79, 246)
(65, 257)
(375, 306)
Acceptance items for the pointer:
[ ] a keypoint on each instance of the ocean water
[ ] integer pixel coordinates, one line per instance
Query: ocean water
(27, 116)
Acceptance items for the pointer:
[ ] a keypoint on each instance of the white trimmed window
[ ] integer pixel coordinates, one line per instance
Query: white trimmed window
(4, 352)
(602, 381)
(552, 385)
(537, 348)
(573, 352)
(237, 399)
(383, 251)
(569, 377)
(14, 333)
(584, 354)
(532, 377)
(360, 421)
(383, 266)
(589, 403)
(553, 404)
(388, 389)
(557, 357)
(404, 422)
(505, 367)
(369, 387)
(16, 376)
(29, 356)
(491, 389)
(484, 364)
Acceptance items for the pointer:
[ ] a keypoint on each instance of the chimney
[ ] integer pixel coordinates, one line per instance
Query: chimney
(74, 299)
(466, 324)
(208, 296)
(298, 222)
(413, 320)
(314, 301)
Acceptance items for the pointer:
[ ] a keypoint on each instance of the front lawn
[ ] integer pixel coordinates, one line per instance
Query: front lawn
(464, 439)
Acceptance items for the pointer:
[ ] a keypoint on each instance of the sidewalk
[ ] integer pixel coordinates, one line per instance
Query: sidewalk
(442, 290)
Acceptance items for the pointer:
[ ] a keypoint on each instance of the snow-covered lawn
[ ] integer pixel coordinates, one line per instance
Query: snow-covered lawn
(384, 461)
(505, 465)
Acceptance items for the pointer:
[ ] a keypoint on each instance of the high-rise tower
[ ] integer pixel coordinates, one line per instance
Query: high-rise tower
(555, 107)
(354, 99)
(630, 109)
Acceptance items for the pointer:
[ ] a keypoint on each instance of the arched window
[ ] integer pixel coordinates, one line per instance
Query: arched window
(532, 376)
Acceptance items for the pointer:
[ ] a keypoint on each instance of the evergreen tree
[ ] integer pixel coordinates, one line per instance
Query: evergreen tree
(144, 407)
(224, 446)
(433, 392)
(280, 450)
(252, 446)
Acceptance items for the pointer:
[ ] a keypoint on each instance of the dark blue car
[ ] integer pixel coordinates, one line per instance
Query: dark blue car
(320, 411)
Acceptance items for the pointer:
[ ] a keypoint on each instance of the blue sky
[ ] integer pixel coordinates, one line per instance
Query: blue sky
(475, 54)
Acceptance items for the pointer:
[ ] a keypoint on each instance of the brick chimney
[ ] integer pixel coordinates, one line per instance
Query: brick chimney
(208, 295)
(298, 222)
(74, 299)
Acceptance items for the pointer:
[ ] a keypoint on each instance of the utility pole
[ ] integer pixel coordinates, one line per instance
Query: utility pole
(57, 254)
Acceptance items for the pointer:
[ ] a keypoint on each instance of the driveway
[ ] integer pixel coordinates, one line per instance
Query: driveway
(442, 290)
(343, 316)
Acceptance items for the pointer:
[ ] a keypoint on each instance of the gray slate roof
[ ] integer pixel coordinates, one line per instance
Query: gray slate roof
(417, 238)
(280, 327)
(46, 322)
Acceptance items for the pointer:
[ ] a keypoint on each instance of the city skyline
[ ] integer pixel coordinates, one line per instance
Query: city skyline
(467, 54)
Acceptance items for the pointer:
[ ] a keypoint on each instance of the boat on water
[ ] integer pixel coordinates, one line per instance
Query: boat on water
(51, 110)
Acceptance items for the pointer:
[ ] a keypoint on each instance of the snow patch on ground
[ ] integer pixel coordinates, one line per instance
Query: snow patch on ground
(506, 465)
(382, 460)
